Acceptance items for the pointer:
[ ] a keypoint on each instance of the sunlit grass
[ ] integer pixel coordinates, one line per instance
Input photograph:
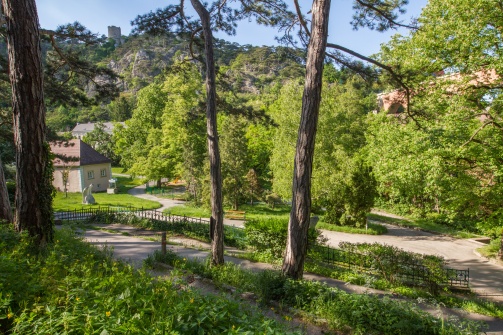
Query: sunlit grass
(74, 201)
(423, 224)
(122, 199)
(118, 169)
(372, 229)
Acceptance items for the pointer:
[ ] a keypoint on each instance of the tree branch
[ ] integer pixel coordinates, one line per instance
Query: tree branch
(385, 15)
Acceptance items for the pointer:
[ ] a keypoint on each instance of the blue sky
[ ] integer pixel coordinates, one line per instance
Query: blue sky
(97, 15)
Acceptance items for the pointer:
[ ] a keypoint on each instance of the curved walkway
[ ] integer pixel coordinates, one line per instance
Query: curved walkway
(134, 250)
(486, 278)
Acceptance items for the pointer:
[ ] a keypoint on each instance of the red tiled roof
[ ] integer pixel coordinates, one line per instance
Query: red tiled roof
(75, 153)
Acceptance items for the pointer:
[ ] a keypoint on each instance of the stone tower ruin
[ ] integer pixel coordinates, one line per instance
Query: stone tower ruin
(115, 33)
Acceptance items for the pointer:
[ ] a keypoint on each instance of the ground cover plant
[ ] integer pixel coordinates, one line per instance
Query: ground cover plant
(268, 237)
(73, 288)
(356, 313)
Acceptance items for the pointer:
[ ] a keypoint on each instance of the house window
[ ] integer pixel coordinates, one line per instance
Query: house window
(90, 174)
(103, 172)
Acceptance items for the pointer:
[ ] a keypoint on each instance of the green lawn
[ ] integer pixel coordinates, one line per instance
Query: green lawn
(423, 224)
(373, 229)
(74, 201)
(252, 212)
(118, 169)
(123, 199)
(262, 211)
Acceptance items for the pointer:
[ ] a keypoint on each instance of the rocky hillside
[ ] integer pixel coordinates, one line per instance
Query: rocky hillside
(249, 68)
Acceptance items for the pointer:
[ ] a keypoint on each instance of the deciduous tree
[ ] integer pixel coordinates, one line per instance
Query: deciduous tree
(223, 17)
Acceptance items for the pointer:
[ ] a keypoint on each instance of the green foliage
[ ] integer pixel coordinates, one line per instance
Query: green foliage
(101, 141)
(272, 199)
(342, 182)
(367, 314)
(352, 200)
(121, 109)
(358, 313)
(234, 155)
(75, 288)
(395, 265)
(269, 235)
(448, 159)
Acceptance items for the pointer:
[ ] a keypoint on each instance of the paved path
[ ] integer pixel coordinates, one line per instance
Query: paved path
(486, 278)
(134, 250)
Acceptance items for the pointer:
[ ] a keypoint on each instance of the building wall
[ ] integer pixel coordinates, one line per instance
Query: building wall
(73, 184)
(100, 183)
(78, 178)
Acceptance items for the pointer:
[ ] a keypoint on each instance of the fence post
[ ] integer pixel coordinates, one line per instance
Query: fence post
(163, 243)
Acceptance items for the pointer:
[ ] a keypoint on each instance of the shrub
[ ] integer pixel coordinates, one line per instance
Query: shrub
(350, 203)
(270, 235)
(267, 235)
(396, 265)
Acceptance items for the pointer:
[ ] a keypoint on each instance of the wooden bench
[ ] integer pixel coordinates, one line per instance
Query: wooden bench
(235, 215)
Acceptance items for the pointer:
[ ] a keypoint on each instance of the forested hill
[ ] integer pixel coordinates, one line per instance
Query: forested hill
(248, 68)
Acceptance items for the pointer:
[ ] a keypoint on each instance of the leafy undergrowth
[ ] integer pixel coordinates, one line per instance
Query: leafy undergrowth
(491, 250)
(271, 240)
(338, 310)
(73, 288)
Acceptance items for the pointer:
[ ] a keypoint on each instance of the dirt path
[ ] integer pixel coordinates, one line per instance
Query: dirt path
(486, 278)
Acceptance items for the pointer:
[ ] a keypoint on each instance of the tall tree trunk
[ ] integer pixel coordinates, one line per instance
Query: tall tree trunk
(34, 174)
(500, 252)
(5, 209)
(217, 226)
(296, 248)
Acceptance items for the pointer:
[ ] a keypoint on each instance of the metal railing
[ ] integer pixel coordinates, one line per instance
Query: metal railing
(151, 214)
(411, 272)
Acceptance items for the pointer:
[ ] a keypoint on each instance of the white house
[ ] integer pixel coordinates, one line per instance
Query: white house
(84, 165)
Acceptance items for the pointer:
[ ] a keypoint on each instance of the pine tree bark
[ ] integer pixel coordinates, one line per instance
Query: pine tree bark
(217, 227)
(296, 248)
(33, 200)
(5, 208)
(500, 252)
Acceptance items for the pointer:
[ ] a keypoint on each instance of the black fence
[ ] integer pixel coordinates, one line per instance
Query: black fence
(84, 213)
(412, 273)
